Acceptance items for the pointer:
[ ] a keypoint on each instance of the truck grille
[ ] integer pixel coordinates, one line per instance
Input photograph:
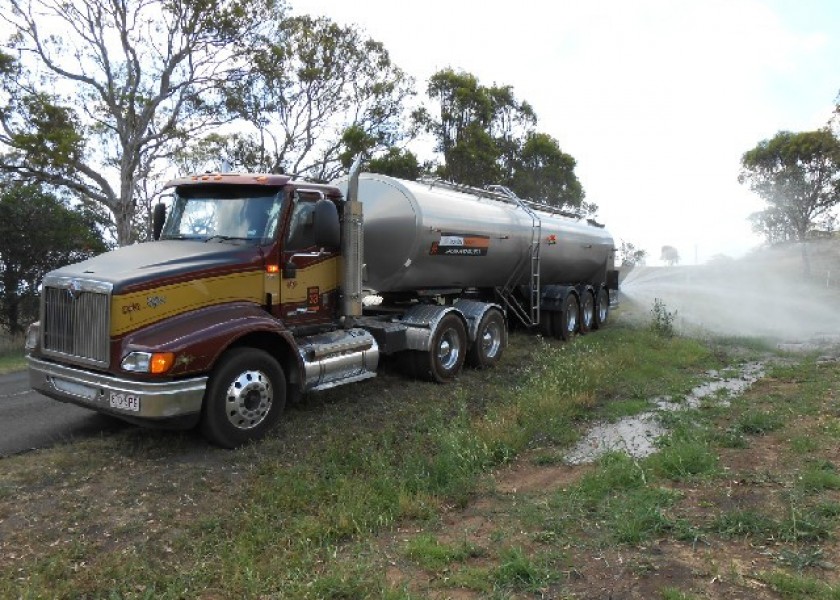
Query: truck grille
(74, 324)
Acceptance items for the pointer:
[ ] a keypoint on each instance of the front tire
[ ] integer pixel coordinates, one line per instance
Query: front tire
(244, 399)
(489, 341)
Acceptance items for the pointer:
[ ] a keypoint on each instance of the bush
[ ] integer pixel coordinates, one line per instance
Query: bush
(662, 322)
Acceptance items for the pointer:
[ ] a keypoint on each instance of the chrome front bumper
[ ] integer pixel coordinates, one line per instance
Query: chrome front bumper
(108, 394)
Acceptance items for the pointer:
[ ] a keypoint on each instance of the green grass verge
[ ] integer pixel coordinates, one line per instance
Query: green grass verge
(156, 514)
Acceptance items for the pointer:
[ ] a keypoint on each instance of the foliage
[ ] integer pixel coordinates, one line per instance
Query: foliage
(38, 233)
(317, 94)
(543, 172)
(396, 163)
(107, 90)
(629, 255)
(662, 320)
(670, 255)
(798, 175)
(487, 136)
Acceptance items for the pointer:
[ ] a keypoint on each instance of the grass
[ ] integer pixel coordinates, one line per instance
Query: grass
(309, 512)
(11, 353)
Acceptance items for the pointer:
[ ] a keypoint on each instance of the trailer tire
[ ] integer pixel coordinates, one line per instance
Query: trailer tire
(489, 341)
(445, 357)
(566, 321)
(245, 397)
(587, 312)
(602, 308)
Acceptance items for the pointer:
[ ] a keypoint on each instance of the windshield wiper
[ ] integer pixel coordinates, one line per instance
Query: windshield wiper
(226, 238)
(179, 236)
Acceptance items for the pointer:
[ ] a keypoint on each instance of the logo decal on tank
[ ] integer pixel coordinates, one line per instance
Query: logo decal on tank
(460, 244)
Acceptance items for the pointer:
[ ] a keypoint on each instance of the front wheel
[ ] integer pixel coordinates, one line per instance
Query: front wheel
(244, 399)
(489, 341)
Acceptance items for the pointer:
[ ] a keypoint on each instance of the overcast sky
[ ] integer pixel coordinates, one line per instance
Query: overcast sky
(656, 99)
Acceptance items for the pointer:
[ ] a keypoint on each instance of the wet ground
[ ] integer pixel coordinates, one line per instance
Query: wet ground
(637, 435)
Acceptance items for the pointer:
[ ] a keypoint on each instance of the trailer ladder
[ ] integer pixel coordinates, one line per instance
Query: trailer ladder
(529, 315)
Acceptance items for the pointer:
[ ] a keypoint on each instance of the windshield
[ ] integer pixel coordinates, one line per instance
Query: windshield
(222, 213)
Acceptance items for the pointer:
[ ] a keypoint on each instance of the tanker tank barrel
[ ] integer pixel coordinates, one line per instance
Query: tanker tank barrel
(432, 234)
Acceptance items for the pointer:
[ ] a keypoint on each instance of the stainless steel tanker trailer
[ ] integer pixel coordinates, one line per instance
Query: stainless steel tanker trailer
(260, 288)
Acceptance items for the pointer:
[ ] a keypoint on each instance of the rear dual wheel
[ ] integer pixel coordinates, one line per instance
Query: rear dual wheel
(489, 341)
(566, 322)
(562, 324)
(587, 312)
(445, 358)
(602, 308)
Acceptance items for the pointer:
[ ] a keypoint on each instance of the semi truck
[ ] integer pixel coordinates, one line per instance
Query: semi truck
(259, 288)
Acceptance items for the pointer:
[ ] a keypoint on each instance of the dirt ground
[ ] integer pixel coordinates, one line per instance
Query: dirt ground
(760, 478)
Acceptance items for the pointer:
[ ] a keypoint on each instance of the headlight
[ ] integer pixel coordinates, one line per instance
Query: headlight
(32, 334)
(148, 362)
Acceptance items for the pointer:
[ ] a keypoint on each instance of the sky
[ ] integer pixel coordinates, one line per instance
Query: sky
(657, 100)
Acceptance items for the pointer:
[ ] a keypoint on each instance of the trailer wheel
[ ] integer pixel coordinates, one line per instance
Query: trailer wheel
(244, 399)
(587, 312)
(566, 321)
(446, 356)
(489, 341)
(602, 308)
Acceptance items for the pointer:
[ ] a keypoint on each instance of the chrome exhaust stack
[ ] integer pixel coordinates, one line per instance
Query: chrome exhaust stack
(352, 248)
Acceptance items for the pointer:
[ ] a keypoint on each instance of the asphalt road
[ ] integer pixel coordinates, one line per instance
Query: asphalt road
(29, 420)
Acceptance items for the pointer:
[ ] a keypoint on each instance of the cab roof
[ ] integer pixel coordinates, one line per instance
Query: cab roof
(267, 179)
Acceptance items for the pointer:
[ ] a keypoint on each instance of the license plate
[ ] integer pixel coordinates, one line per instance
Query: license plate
(125, 402)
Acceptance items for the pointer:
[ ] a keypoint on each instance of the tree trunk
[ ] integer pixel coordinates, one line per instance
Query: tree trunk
(123, 218)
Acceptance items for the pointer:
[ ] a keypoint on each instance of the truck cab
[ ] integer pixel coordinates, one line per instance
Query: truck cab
(244, 265)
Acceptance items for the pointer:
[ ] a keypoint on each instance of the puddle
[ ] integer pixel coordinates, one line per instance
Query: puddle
(637, 435)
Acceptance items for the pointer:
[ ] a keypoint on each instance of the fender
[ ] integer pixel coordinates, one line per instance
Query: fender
(553, 295)
(199, 337)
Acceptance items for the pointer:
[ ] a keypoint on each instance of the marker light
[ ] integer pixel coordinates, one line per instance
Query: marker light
(148, 362)
(161, 362)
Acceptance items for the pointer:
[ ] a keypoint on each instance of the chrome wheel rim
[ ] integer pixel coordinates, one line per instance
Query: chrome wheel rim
(571, 322)
(248, 399)
(491, 340)
(588, 312)
(449, 349)
(603, 304)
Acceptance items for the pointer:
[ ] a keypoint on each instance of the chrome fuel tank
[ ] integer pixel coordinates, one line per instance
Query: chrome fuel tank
(423, 235)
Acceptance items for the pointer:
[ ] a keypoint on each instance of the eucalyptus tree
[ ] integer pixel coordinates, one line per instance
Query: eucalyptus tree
(488, 136)
(479, 130)
(95, 93)
(543, 172)
(798, 176)
(317, 93)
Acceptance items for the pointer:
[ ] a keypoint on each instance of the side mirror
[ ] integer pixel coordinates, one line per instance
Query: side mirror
(327, 229)
(158, 217)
